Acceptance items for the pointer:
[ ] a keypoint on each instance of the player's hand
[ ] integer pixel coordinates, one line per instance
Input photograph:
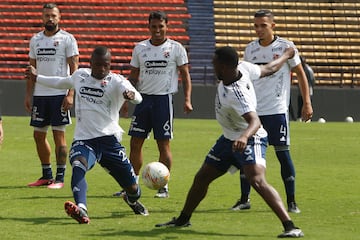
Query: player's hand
(306, 112)
(187, 107)
(129, 95)
(68, 102)
(290, 52)
(239, 144)
(30, 73)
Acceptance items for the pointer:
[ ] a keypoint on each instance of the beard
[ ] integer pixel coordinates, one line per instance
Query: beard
(50, 27)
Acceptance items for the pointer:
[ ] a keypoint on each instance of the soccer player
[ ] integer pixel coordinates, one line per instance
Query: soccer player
(155, 64)
(243, 142)
(53, 52)
(273, 99)
(99, 96)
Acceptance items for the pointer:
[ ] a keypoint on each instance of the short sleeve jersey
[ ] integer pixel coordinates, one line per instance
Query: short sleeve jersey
(50, 54)
(98, 103)
(158, 66)
(235, 100)
(273, 92)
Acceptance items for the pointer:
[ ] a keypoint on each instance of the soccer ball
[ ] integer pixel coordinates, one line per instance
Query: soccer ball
(155, 175)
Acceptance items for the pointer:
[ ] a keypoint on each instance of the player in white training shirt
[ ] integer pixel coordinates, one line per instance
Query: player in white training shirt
(99, 96)
(243, 142)
(155, 65)
(53, 52)
(273, 99)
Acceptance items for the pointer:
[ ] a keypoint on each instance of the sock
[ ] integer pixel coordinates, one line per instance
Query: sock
(244, 187)
(137, 179)
(287, 173)
(183, 218)
(46, 171)
(79, 185)
(288, 225)
(133, 197)
(60, 173)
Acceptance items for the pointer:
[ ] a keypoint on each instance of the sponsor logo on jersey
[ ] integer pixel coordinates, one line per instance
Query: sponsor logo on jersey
(46, 51)
(96, 92)
(156, 64)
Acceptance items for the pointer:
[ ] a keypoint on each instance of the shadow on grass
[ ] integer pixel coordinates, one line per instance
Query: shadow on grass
(166, 233)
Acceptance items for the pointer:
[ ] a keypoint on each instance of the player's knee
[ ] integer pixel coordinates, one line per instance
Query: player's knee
(79, 163)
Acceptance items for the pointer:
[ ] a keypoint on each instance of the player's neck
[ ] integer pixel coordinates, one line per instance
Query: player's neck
(233, 78)
(266, 42)
(157, 42)
(51, 33)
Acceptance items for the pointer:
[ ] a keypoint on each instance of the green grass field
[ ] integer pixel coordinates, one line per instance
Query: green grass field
(326, 157)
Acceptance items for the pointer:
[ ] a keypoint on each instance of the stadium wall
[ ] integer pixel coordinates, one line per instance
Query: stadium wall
(331, 103)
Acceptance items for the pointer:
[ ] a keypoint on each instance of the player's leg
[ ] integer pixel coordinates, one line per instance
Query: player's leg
(244, 201)
(162, 118)
(116, 163)
(40, 120)
(278, 130)
(82, 158)
(59, 120)
(217, 162)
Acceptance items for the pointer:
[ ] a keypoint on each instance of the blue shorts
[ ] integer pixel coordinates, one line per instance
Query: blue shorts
(109, 153)
(277, 127)
(155, 113)
(47, 110)
(222, 157)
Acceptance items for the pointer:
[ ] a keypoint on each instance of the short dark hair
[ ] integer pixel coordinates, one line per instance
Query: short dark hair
(100, 51)
(160, 15)
(227, 55)
(50, 6)
(264, 13)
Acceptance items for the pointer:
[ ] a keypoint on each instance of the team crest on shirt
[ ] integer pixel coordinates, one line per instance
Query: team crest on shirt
(166, 54)
(276, 56)
(56, 43)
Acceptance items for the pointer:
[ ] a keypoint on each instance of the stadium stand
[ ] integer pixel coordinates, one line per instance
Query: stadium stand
(118, 24)
(326, 33)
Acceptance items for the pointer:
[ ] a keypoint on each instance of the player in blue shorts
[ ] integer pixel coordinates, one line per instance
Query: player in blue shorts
(97, 137)
(155, 64)
(273, 99)
(243, 142)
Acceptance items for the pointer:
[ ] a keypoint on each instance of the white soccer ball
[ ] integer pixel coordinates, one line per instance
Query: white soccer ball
(155, 175)
(322, 120)
(349, 119)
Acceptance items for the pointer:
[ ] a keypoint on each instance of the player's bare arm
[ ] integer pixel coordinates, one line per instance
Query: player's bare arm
(186, 82)
(29, 89)
(254, 124)
(307, 110)
(275, 65)
(134, 76)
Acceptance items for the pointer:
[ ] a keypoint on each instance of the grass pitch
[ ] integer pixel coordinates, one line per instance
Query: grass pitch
(326, 157)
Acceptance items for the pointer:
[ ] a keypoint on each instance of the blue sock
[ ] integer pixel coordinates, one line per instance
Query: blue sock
(244, 187)
(79, 185)
(287, 173)
(46, 171)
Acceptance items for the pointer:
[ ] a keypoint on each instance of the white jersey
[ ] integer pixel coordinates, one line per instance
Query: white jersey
(158, 66)
(273, 92)
(97, 102)
(50, 54)
(235, 100)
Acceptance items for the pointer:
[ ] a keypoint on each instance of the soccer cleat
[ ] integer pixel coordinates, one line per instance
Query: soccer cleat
(56, 185)
(162, 193)
(293, 233)
(239, 205)
(77, 213)
(41, 182)
(120, 194)
(292, 207)
(174, 223)
(137, 207)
